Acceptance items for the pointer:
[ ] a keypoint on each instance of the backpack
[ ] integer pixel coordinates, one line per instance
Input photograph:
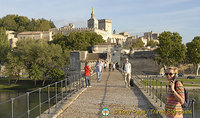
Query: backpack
(123, 66)
(187, 101)
(131, 82)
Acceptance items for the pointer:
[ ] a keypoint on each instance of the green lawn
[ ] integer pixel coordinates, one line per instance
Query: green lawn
(196, 81)
(186, 82)
(22, 84)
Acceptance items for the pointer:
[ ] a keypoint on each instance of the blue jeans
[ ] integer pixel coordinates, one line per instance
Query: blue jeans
(99, 76)
(87, 81)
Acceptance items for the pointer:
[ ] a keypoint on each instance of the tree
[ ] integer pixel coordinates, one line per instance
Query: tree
(42, 25)
(193, 53)
(170, 49)
(56, 73)
(4, 46)
(22, 23)
(78, 40)
(14, 66)
(9, 22)
(39, 58)
(35, 73)
(152, 43)
(138, 44)
(52, 24)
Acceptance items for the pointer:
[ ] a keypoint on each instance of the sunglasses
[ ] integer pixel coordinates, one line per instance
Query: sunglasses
(169, 74)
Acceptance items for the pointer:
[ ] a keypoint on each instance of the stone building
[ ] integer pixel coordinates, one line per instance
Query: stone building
(109, 53)
(12, 38)
(46, 35)
(129, 41)
(151, 36)
(102, 27)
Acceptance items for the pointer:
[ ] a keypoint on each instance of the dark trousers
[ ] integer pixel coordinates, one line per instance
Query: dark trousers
(87, 81)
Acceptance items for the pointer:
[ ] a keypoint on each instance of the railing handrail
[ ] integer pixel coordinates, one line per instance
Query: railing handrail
(71, 84)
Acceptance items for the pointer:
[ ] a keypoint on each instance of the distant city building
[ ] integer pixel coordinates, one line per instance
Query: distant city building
(151, 36)
(12, 38)
(129, 41)
(102, 27)
(46, 35)
(144, 40)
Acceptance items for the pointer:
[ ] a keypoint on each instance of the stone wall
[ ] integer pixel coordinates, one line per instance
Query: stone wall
(143, 62)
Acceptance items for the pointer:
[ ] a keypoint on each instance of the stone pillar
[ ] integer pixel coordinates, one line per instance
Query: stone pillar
(75, 67)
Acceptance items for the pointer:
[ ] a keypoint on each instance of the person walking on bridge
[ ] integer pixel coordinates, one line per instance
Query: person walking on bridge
(87, 75)
(113, 66)
(126, 71)
(175, 95)
(105, 65)
(99, 69)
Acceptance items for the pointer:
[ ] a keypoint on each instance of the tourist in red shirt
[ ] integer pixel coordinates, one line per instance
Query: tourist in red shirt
(87, 74)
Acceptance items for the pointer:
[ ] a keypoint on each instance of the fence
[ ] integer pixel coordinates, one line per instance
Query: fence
(34, 103)
(155, 88)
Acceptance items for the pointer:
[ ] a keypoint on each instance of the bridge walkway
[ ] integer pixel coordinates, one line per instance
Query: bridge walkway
(110, 93)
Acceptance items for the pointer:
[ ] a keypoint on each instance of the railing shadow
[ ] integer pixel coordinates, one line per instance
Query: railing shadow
(104, 96)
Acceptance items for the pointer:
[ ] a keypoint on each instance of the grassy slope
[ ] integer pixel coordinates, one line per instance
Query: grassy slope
(186, 82)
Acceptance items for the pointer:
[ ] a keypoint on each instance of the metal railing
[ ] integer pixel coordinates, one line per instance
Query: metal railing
(157, 92)
(34, 103)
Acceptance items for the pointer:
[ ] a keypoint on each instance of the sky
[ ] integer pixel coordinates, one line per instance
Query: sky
(132, 16)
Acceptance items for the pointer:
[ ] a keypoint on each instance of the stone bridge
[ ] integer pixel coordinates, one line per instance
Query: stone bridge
(109, 93)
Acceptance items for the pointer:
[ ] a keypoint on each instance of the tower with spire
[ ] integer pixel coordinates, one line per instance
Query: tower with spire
(93, 22)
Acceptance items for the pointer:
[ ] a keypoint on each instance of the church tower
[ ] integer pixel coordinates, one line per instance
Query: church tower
(93, 22)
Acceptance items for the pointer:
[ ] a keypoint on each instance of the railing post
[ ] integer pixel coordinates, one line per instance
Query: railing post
(73, 82)
(150, 87)
(153, 90)
(161, 94)
(156, 90)
(193, 101)
(61, 89)
(147, 84)
(12, 107)
(70, 85)
(40, 102)
(166, 92)
(49, 100)
(27, 98)
(66, 87)
(76, 82)
(79, 85)
(56, 93)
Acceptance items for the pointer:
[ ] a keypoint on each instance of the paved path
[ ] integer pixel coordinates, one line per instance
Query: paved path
(109, 93)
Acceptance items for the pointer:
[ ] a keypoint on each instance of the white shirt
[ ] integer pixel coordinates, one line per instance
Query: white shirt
(99, 67)
(127, 68)
(113, 65)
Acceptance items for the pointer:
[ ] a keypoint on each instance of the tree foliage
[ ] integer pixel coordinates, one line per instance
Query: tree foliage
(23, 23)
(152, 43)
(170, 49)
(193, 53)
(4, 46)
(138, 44)
(78, 40)
(38, 58)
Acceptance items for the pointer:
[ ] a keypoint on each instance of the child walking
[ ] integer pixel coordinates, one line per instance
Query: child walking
(87, 75)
